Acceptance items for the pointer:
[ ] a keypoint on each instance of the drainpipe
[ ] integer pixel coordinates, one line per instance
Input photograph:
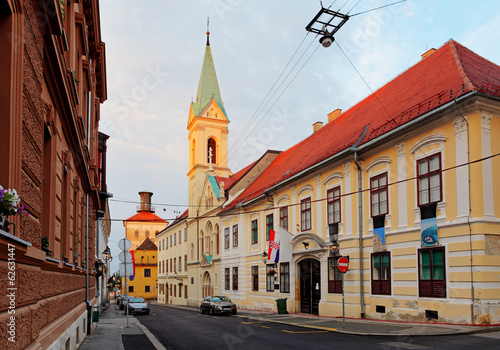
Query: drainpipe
(87, 285)
(470, 211)
(360, 220)
(97, 280)
(354, 148)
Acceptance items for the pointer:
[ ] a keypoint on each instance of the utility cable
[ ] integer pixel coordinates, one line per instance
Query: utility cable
(368, 86)
(272, 87)
(378, 8)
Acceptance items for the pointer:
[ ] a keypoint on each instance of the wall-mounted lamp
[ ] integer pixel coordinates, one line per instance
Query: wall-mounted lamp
(264, 257)
(306, 244)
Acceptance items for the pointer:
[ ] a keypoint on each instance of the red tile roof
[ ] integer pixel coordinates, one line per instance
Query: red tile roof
(147, 245)
(229, 181)
(179, 218)
(450, 72)
(146, 216)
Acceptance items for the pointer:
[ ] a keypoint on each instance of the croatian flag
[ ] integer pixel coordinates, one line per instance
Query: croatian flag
(274, 247)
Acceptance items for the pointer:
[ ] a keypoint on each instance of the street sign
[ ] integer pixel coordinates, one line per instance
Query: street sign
(343, 264)
(130, 269)
(125, 255)
(124, 244)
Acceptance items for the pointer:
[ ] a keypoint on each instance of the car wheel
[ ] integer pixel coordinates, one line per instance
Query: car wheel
(201, 310)
(234, 312)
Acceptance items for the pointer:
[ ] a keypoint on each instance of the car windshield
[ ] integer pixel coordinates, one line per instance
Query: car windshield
(218, 299)
(136, 300)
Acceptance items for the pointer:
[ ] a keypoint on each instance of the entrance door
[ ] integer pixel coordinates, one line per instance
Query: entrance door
(310, 286)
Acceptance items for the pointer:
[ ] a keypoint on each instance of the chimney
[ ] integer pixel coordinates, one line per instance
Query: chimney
(146, 202)
(334, 115)
(317, 126)
(428, 53)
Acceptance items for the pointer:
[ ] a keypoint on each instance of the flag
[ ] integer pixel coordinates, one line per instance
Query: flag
(131, 277)
(273, 253)
(286, 245)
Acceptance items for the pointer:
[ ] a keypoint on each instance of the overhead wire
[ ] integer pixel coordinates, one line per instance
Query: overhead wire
(378, 8)
(368, 86)
(255, 114)
(286, 87)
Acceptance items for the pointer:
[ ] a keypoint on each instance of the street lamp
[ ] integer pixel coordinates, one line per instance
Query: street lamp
(327, 23)
(264, 257)
(106, 255)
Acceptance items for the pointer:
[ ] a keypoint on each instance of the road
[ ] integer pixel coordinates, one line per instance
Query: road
(185, 329)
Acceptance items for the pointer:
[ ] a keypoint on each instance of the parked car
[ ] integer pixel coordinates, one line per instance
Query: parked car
(123, 302)
(217, 305)
(137, 306)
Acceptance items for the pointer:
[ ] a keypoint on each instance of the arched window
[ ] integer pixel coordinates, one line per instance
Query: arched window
(211, 146)
(136, 233)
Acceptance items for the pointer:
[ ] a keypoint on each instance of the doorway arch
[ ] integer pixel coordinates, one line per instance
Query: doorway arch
(310, 286)
(206, 287)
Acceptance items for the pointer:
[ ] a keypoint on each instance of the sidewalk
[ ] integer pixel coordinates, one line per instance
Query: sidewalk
(112, 328)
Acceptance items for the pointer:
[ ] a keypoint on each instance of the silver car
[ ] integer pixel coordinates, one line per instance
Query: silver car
(137, 306)
(217, 305)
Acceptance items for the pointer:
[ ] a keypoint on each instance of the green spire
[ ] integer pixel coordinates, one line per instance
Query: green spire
(208, 87)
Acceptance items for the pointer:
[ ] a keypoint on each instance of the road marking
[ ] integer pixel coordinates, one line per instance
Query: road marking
(402, 345)
(265, 327)
(300, 332)
(329, 329)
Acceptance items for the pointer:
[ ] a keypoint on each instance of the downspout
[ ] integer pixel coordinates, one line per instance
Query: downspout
(97, 282)
(360, 220)
(360, 223)
(87, 285)
(197, 237)
(470, 212)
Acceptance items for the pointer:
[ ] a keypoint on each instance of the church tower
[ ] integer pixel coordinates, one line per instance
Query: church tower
(208, 131)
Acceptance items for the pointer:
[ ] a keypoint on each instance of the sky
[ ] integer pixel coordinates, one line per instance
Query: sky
(275, 79)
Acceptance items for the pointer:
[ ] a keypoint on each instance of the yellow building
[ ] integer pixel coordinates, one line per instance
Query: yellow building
(143, 284)
(404, 184)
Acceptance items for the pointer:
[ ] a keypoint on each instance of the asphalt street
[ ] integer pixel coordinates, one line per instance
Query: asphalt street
(188, 329)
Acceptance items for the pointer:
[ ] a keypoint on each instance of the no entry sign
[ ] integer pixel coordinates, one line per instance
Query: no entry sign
(343, 264)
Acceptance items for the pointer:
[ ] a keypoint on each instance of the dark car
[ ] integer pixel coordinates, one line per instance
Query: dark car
(217, 305)
(123, 302)
(137, 306)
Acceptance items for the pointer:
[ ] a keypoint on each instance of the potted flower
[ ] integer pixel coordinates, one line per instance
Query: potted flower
(271, 272)
(10, 204)
(45, 246)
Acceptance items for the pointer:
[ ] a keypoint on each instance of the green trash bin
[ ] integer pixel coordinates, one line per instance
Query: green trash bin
(281, 304)
(95, 316)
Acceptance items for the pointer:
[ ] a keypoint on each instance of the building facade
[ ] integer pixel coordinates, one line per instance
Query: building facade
(143, 284)
(52, 84)
(403, 185)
